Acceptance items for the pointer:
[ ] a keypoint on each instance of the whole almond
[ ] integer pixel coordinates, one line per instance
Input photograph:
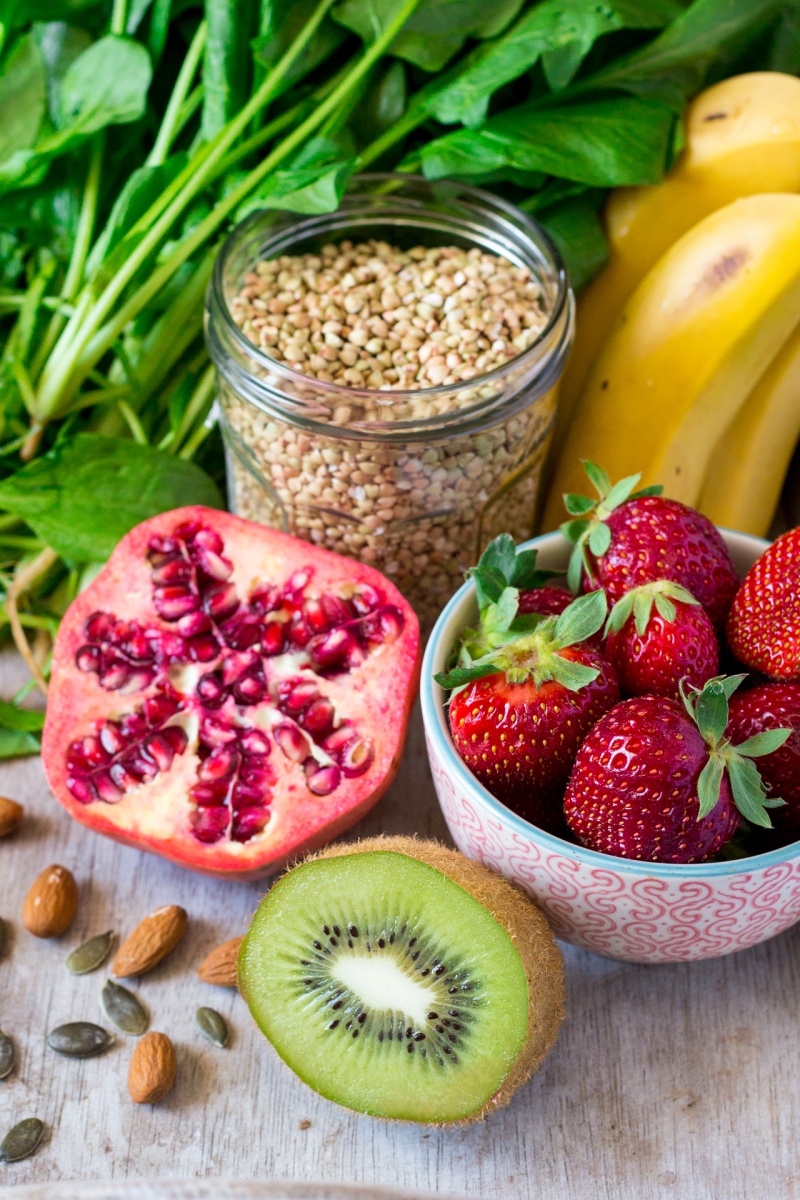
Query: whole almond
(151, 940)
(152, 1070)
(51, 903)
(11, 815)
(219, 967)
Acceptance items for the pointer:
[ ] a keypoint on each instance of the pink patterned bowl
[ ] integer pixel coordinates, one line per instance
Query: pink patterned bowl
(640, 912)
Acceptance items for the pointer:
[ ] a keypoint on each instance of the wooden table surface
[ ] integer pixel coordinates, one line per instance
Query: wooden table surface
(672, 1081)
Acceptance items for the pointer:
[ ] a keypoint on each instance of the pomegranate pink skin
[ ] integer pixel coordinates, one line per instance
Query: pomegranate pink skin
(773, 706)
(377, 696)
(633, 789)
(655, 538)
(668, 651)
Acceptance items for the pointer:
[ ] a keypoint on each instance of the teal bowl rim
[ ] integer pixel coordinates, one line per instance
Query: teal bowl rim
(435, 723)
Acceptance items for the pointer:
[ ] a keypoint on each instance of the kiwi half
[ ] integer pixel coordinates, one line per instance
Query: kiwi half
(400, 979)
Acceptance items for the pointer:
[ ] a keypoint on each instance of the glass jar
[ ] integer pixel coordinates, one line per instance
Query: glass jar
(415, 483)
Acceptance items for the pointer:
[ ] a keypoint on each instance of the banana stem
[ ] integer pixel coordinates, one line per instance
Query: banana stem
(24, 579)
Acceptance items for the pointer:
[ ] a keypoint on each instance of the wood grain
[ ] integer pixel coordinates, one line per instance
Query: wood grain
(672, 1081)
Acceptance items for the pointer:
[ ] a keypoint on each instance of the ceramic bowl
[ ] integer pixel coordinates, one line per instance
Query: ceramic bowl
(636, 911)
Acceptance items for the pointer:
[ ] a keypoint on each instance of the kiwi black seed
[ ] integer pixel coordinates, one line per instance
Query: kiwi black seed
(400, 979)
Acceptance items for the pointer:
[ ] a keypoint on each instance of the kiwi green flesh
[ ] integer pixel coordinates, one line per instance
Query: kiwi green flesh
(386, 986)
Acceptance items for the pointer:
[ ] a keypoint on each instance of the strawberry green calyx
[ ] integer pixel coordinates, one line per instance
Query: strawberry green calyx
(587, 528)
(502, 573)
(535, 655)
(640, 601)
(708, 708)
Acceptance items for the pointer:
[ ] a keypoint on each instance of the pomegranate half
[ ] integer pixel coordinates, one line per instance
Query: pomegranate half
(228, 696)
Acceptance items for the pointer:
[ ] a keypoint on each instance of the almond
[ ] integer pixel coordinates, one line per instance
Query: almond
(151, 940)
(51, 903)
(152, 1071)
(11, 815)
(219, 967)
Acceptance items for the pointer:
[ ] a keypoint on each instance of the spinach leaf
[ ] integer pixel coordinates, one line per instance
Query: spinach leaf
(88, 491)
(17, 743)
(141, 189)
(23, 99)
(434, 32)
(576, 230)
(382, 106)
(559, 32)
(281, 22)
(312, 182)
(785, 50)
(60, 45)
(227, 58)
(674, 65)
(48, 214)
(16, 13)
(22, 720)
(106, 85)
(606, 143)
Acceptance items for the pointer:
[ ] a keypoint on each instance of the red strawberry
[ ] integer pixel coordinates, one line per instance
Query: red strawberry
(659, 781)
(550, 600)
(658, 635)
(627, 538)
(520, 712)
(773, 706)
(764, 623)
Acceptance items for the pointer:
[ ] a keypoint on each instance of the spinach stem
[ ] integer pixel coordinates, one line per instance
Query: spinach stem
(118, 16)
(170, 123)
(62, 374)
(199, 403)
(26, 575)
(133, 423)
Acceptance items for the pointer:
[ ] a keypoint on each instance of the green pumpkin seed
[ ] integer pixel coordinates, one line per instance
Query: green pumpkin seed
(22, 1140)
(7, 1055)
(212, 1026)
(79, 1039)
(123, 1009)
(90, 955)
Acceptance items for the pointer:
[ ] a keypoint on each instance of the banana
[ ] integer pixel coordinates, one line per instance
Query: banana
(742, 137)
(749, 462)
(687, 349)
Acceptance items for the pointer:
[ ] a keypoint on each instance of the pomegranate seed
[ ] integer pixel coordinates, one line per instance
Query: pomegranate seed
(272, 639)
(208, 539)
(157, 709)
(247, 823)
(220, 602)
(98, 626)
(107, 789)
(209, 824)
(331, 648)
(210, 688)
(222, 762)
(293, 588)
(316, 617)
(318, 717)
(137, 681)
(244, 794)
(88, 659)
(163, 545)
(210, 795)
(241, 632)
(324, 780)
(255, 742)
(253, 774)
(237, 665)
(356, 757)
(81, 788)
(187, 530)
(171, 603)
(133, 726)
(291, 741)
(250, 690)
(365, 599)
(194, 623)
(111, 738)
(214, 565)
(115, 675)
(299, 633)
(216, 733)
(172, 570)
(123, 777)
(160, 749)
(293, 697)
(337, 610)
(337, 740)
(355, 655)
(203, 649)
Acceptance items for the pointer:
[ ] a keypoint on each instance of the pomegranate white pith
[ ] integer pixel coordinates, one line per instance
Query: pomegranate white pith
(227, 695)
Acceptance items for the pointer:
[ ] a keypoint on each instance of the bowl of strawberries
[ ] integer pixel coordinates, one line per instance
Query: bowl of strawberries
(612, 715)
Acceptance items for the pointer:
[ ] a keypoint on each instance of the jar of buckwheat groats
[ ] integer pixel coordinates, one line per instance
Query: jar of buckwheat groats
(387, 374)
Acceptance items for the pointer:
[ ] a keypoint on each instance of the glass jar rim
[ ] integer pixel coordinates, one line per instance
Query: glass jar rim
(522, 367)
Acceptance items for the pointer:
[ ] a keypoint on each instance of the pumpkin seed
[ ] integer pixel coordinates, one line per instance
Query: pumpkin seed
(90, 955)
(7, 1055)
(3, 937)
(123, 1009)
(212, 1026)
(79, 1039)
(22, 1140)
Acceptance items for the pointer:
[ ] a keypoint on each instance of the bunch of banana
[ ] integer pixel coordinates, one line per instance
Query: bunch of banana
(687, 356)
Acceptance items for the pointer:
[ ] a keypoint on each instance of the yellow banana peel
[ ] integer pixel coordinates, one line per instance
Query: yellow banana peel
(749, 463)
(742, 137)
(687, 349)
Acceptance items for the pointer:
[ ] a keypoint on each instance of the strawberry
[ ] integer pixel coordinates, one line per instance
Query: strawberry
(627, 538)
(548, 600)
(658, 635)
(773, 706)
(519, 712)
(764, 623)
(658, 780)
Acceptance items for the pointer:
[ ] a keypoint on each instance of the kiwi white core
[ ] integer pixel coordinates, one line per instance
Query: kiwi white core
(383, 985)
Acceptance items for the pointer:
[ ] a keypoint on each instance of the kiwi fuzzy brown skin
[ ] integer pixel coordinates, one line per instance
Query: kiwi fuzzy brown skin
(526, 926)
